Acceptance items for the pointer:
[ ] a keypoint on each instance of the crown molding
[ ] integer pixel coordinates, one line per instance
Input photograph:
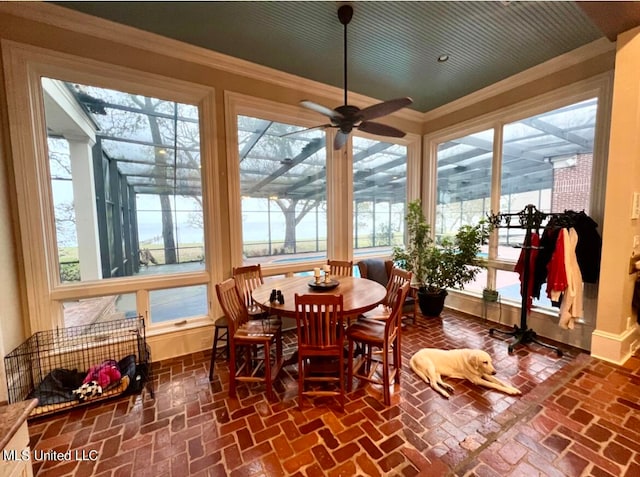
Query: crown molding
(78, 22)
(554, 65)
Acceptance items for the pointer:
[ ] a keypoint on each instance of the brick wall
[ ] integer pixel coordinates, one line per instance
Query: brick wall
(572, 185)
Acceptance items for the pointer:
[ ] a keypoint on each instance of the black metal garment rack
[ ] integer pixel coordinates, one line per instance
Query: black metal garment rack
(529, 219)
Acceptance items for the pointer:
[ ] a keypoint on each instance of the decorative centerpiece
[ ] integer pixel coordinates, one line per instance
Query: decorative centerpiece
(323, 283)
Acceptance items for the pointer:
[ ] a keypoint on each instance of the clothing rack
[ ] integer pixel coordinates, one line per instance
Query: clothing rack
(529, 219)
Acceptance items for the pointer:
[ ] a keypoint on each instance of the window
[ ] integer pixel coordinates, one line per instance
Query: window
(463, 182)
(283, 187)
(113, 188)
(379, 194)
(178, 303)
(96, 310)
(125, 176)
(545, 159)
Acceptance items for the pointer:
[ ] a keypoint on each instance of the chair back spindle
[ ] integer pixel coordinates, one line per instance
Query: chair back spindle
(340, 268)
(248, 278)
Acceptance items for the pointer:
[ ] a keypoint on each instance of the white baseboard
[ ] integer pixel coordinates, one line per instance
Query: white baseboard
(615, 348)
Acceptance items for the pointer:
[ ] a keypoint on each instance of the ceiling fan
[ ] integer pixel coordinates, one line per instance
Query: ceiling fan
(347, 116)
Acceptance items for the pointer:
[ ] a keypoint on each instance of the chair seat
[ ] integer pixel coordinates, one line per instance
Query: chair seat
(367, 331)
(256, 313)
(273, 322)
(259, 330)
(221, 323)
(380, 312)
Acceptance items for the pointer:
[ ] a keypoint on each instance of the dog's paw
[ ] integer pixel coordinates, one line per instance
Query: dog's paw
(513, 391)
(443, 388)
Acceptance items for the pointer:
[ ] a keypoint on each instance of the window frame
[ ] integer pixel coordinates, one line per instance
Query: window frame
(25, 66)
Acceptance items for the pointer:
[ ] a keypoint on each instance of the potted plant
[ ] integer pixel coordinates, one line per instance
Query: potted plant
(488, 294)
(450, 262)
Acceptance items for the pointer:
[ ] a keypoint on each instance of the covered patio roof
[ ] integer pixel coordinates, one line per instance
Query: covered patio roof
(156, 145)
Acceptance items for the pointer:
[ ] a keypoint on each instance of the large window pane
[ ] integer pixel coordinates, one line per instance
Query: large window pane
(283, 182)
(126, 182)
(547, 161)
(464, 182)
(178, 303)
(380, 194)
(464, 188)
(97, 310)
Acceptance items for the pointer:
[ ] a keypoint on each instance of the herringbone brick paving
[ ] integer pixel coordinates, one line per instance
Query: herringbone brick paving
(577, 416)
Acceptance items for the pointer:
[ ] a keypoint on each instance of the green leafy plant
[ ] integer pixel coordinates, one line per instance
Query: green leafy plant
(452, 262)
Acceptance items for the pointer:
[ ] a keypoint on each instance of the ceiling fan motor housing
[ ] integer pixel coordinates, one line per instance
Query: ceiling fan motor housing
(345, 12)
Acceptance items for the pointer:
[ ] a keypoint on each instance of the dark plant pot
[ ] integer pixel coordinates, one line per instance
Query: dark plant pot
(431, 304)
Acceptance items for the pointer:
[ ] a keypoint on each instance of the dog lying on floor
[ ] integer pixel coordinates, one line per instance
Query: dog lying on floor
(472, 364)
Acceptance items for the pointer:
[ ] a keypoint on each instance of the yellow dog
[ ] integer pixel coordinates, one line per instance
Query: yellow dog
(472, 364)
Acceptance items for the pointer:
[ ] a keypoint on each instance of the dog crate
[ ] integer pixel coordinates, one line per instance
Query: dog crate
(51, 365)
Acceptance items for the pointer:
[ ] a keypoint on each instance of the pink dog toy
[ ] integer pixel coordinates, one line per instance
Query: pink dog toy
(104, 373)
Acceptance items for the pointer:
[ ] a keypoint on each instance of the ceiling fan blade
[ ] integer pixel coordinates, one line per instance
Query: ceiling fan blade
(340, 140)
(300, 131)
(382, 109)
(380, 129)
(318, 108)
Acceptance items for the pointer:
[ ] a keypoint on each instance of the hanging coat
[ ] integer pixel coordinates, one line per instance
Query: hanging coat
(589, 247)
(519, 268)
(557, 270)
(572, 304)
(547, 247)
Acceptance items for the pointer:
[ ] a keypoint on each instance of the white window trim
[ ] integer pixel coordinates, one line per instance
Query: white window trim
(24, 66)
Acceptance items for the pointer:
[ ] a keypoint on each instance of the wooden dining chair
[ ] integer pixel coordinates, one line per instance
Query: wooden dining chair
(340, 268)
(379, 270)
(383, 336)
(245, 336)
(320, 325)
(397, 278)
(248, 278)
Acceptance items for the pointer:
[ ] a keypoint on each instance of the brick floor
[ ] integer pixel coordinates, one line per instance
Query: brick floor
(577, 416)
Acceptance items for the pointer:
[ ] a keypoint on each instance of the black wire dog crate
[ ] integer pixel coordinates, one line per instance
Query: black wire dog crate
(52, 365)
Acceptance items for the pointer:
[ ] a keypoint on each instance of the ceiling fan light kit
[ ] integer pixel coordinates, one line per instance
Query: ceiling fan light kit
(347, 117)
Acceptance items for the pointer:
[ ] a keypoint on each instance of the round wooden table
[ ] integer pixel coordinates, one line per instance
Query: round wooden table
(358, 294)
